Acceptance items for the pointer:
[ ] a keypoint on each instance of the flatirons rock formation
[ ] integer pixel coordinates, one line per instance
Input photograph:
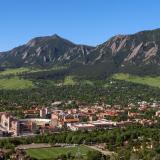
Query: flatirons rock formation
(130, 53)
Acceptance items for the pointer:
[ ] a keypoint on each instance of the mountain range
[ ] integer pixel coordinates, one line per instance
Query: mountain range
(138, 53)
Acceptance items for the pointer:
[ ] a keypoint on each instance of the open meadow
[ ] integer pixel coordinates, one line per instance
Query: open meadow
(146, 80)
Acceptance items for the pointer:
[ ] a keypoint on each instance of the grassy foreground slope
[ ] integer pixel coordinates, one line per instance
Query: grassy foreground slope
(50, 153)
(146, 80)
(15, 83)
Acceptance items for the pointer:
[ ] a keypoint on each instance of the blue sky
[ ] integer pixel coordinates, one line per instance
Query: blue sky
(81, 21)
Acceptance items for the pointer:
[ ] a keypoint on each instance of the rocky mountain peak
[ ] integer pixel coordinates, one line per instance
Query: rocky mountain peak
(140, 49)
(55, 36)
(42, 40)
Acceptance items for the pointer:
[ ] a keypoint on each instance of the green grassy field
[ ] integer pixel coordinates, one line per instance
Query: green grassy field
(21, 70)
(50, 153)
(14, 71)
(15, 83)
(150, 81)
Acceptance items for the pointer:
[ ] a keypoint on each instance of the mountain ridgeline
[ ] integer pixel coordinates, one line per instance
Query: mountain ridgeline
(137, 54)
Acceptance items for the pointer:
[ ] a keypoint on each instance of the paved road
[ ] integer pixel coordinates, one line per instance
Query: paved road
(104, 152)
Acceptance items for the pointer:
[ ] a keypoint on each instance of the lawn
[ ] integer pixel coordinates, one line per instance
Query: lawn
(146, 80)
(15, 83)
(54, 152)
